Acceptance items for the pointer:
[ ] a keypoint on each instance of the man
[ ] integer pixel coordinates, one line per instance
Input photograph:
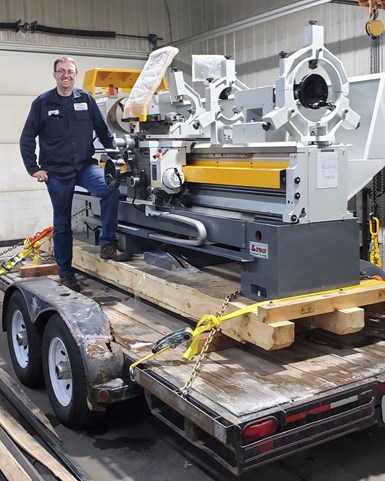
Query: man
(65, 119)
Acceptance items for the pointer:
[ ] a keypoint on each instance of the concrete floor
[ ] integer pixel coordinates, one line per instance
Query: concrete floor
(133, 446)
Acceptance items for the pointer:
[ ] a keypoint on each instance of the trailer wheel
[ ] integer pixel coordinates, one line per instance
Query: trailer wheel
(24, 342)
(65, 377)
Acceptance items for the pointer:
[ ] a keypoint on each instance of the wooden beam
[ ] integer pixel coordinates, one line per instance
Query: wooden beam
(39, 270)
(313, 305)
(269, 325)
(267, 336)
(18, 455)
(344, 321)
(182, 299)
(29, 445)
(12, 390)
(10, 468)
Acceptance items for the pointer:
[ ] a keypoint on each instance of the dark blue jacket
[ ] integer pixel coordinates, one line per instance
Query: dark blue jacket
(65, 127)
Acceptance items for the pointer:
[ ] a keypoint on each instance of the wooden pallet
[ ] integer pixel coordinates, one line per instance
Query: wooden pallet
(271, 325)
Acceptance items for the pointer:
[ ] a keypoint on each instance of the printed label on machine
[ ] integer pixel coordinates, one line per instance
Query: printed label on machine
(327, 170)
(257, 249)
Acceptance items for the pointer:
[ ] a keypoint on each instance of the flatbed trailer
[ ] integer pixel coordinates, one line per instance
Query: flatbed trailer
(248, 405)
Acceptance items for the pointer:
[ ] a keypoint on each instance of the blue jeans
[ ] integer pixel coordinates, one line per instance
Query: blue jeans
(61, 192)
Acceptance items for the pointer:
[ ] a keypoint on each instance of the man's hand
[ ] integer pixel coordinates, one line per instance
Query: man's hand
(41, 176)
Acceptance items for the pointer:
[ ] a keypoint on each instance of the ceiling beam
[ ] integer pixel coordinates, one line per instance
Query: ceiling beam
(251, 21)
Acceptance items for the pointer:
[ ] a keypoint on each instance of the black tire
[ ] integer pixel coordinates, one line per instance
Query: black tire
(24, 342)
(60, 353)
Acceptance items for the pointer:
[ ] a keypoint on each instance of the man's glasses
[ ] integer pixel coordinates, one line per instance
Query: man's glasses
(70, 72)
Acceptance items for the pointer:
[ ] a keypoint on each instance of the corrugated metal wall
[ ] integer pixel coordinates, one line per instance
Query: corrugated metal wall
(256, 48)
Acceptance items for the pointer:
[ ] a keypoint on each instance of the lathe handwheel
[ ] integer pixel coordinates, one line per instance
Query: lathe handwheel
(112, 174)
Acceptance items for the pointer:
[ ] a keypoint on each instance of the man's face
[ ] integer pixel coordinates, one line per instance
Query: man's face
(65, 75)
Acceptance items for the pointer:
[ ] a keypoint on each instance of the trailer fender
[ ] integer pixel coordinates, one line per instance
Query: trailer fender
(89, 326)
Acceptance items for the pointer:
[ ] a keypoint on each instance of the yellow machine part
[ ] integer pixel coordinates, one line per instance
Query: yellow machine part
(122, 79)
(238, 173)
(374, 28)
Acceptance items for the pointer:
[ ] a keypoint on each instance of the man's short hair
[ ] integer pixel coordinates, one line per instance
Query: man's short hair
(64, 59)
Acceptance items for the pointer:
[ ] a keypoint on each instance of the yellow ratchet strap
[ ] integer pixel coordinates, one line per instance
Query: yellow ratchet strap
(209, 321)
(144, 359)
(31, 246)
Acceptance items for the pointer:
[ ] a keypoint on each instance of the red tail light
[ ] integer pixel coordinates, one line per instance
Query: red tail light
(381, 388)
(103, 396)
(260, 429)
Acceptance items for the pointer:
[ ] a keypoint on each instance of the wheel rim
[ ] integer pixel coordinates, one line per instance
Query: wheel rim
(60, 371)
(19, 338)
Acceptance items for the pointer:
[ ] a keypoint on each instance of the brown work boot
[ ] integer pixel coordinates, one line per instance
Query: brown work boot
(70, 282)
(111, 251)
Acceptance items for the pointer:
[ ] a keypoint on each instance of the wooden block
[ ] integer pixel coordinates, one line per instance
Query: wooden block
(267, 336)
(344, 321)
(39, 270)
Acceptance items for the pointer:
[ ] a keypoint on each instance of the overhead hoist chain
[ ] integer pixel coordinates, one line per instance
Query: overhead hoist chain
(375, 29)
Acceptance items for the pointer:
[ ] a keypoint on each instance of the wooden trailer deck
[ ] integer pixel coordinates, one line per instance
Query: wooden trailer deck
(238, 379)
(242, 381)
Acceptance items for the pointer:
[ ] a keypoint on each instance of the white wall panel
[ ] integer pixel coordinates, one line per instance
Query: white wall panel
(256, 49)
(13, 112)
(24, 220)
(14, 177)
